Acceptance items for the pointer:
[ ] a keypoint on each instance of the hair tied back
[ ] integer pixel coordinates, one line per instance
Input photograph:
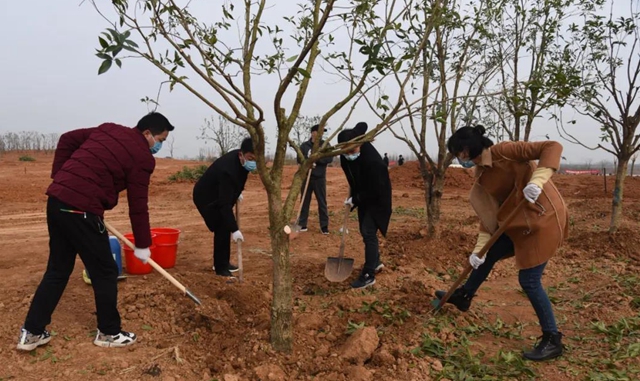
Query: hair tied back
(480, 130)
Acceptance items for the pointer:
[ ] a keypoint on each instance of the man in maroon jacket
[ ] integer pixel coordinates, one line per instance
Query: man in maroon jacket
(91, 166)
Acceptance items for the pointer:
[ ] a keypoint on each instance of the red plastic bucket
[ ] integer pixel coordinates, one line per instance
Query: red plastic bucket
(166, 242)
(133, 265)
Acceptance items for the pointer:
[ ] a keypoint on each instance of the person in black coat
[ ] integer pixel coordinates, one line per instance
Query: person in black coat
(216, 193)
(317, 185)
(400, 160)
(370, 192)
(386, 160)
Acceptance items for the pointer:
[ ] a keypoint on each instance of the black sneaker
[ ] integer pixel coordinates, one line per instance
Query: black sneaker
(364, 280)
(303, 229)
(325, 230)
(459, 298)
(225, 273)
(232, 268)
(548, 348)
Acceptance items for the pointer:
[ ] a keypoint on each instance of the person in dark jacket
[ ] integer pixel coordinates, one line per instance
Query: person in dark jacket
(386, 160)
(216, 193)
(317, 185)
(91, 166)
(400, 160)
(370, 192)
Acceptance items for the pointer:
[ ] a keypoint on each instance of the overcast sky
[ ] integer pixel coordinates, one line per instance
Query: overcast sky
(50, 83)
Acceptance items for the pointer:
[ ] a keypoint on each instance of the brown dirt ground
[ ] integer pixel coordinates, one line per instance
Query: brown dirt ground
(229, 334)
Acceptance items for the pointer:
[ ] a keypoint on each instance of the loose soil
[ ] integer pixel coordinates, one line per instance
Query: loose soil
(592, 280)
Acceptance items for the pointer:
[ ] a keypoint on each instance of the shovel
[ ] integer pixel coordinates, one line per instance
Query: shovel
(296, 227)
(338, 269)
(153, 264)
(438, 303)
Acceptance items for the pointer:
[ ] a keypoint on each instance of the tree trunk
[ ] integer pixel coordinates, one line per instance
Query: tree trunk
(433, 186)
(633, 164)
(618, 193)
(282, 304)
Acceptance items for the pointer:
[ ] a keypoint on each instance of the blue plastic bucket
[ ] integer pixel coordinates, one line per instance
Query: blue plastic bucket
(116, 252)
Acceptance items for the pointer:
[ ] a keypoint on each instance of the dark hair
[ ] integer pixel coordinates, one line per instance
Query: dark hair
(154, 122)
(470, 138)
(315, 128)
(246, 146)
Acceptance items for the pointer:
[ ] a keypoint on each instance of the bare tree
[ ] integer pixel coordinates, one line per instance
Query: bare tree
(611, 70)
(301, 130)
(633, 162)
(200, 55)
(171, 143)
(224, 135)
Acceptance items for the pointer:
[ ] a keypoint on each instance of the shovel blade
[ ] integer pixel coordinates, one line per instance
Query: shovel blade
(338, 269)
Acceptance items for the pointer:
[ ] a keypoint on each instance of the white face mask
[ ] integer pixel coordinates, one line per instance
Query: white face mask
(351, 156)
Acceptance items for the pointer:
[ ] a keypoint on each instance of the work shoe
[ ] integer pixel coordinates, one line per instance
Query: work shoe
(548, 348)
(364, 280)
(232, 268)
(303, 229)
(459, 298)
(224, 273)
(121, 339)
(379, 267)
(28, 341)
(325, 230)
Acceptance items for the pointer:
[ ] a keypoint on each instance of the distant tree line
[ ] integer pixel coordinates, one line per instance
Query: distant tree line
(28, 141)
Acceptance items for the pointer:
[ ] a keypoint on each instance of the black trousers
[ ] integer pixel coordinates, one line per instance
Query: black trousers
(369, 232)
(221, 248)
(86, 235)
(317, 186)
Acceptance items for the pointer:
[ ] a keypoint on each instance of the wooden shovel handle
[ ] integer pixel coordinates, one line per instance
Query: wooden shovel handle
(482, 253)
(153, 264)
(347, 209)
(304, 192)
(239, 243)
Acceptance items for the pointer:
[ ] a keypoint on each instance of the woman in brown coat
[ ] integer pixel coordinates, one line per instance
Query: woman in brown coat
(506, 174)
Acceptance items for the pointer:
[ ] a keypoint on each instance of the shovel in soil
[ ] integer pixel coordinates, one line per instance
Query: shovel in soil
(153, 264)
(295, 228)
(438, 303)
(337, 269)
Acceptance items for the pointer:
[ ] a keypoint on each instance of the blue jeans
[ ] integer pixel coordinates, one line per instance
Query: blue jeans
(530, 281)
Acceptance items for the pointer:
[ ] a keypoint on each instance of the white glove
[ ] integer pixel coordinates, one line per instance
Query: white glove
(142, 254)
(237, 236)
(532, 192)
(240, 198)
(475, 261)
(314, 165)
(349, 202)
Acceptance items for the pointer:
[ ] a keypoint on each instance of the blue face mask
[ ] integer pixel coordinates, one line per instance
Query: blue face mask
(156, 147)
(466, 163)
(351, 156)
(250, 165)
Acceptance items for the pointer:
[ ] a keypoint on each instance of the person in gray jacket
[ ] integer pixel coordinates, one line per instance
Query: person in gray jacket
(317, 185)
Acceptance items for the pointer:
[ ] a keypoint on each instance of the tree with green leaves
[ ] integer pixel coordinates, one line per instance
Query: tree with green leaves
(445, 88)
(536, 67)
(611, 76)
(286, 44)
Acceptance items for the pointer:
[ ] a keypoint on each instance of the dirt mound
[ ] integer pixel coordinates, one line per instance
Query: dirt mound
(408, 176)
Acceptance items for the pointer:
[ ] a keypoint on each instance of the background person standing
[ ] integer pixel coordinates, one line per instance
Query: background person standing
(317, 185)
